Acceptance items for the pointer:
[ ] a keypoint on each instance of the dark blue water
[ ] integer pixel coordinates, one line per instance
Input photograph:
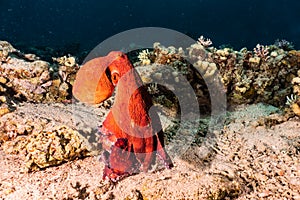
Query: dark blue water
(57, 23)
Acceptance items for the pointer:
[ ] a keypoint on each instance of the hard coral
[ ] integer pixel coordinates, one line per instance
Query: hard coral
(52, 147)
(170, 65)
(261, 51)
(25, 77)
(144, 57)
(204, 42)
(4, 57)
(69, 61)
(5, 49)
(44, 134)
(284, 44)
(263, 77)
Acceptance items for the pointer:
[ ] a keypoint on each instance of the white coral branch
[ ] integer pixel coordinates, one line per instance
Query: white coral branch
(204, 42)
(291, 100)
(261, 51)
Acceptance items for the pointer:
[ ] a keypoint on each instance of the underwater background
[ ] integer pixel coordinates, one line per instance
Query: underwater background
(242, 143)
(82, 24)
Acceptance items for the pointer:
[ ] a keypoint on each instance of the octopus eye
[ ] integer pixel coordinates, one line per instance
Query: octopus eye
(114, 77)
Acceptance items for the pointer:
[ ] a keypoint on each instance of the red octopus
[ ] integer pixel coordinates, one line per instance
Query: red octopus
(131, 135)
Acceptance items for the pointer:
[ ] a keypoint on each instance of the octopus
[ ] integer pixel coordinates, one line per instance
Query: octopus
(131, 134)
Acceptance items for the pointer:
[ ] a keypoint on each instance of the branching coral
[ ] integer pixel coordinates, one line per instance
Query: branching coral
(204, 42)
(68, 61)
(284, 44)
(144, 57)
(292, 99)
(261, 51)
(292, 102)
(152, 88)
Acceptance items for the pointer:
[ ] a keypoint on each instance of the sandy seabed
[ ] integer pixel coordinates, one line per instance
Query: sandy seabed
(256, 156)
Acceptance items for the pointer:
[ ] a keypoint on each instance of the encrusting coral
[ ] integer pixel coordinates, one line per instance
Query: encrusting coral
(5, 49)
(45, 135)
(53, 147)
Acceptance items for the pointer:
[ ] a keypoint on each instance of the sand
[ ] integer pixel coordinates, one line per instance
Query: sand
(255, 155)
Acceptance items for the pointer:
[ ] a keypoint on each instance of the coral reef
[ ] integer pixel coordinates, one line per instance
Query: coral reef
(25, 78)
(262, 75)
(269, 74)
(254, 156)
(170, 70)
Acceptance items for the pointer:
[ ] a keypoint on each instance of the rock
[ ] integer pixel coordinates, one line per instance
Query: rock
(53, 147)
